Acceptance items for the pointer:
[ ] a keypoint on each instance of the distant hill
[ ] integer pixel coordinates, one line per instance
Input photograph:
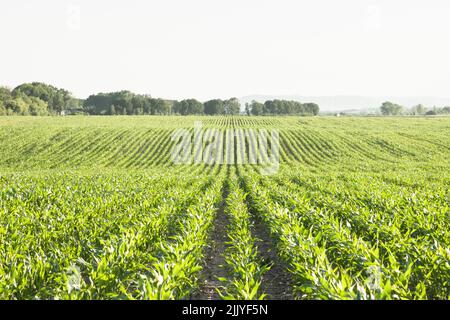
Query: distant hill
(352, 103)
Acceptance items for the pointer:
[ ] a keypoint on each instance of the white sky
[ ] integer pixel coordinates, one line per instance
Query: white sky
(222, 48)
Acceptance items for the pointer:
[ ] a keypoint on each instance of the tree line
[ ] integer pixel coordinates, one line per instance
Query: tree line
(392, 109)
(36, 99)
(128, 103)
(42, 99)
(281, 107)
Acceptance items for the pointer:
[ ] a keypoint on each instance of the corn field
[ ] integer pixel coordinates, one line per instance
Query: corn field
(94, 208)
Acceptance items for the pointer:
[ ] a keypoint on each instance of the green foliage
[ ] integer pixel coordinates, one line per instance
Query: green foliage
(391, 109)
(5, 93)
(61, 102)
(215, 106)
(95, 238)
(18, 106)
(283, 107)
(92, 208)
(222, 107)
(189, 106)
(243, 262)
(232, 106)
(339, 247)
(256, 108)
(126, 103)
(56, 99)
(418, 110)
(37, 107)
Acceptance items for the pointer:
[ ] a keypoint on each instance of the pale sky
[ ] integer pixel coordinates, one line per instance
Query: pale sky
(222, 48)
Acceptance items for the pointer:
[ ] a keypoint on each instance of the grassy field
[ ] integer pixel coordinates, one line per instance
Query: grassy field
(94, 208)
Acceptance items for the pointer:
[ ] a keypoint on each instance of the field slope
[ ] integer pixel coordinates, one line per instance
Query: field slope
(94, 208)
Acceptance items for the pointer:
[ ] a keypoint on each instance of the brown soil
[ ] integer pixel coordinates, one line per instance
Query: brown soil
(215, 261)
(276, 282)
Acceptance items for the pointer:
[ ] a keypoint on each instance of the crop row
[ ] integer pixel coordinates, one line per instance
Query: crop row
(339, 249)
(95, 236)
(245, 266)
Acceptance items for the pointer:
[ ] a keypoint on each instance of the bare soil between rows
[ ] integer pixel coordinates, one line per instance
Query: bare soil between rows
(276, 282)
(215, 261)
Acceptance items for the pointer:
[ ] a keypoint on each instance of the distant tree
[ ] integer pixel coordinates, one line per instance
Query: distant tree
(126, 103)
(58, 102)
(5, 93)
(418, 110)
(38, 98)
(17, 106)
(147, 105)
(389, 108)
(128, 106)
(232, 106)
(215, 106)
(99, 103)
(73, 103)
(163, 106)
(195, 107)
(247, 108)
(311, 108)
(285, 107)
(437, 111)
(138, 103)
(431, 113)
(55, 98)
(152, 103)
(189, 106)
(270, 107)
(178, 107)
(256, 108)
(37, 107)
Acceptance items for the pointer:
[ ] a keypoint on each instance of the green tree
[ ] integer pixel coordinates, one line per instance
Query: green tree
(5, 93)
(73, 103)
(17, 106)
(55, 98)
(195, 107)
(189, 106)
(311, 109)
(162, 106)
(256, 108)
(418, 110)
(37, 107)
(247, 108)
(389, 108)
(232, 106)
(215, 106)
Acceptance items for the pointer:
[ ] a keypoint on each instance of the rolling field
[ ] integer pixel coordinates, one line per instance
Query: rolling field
(94, 208)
